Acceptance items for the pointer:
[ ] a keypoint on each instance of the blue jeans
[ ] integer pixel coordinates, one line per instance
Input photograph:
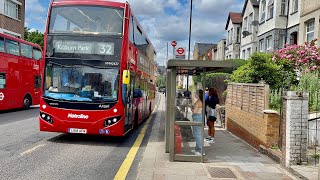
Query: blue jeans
(197, 132)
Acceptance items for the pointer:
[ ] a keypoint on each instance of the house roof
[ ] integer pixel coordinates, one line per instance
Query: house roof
(204, 47)
(254, 3)
(236, 18)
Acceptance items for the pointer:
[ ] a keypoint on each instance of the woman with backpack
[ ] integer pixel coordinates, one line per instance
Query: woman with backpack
(211, 113)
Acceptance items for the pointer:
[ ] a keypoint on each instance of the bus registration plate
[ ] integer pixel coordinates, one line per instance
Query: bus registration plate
(80, 131)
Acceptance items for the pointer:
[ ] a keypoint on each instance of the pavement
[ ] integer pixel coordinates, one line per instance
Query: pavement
(228, 158)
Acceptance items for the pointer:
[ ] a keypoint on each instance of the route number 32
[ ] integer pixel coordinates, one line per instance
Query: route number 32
(106, 49)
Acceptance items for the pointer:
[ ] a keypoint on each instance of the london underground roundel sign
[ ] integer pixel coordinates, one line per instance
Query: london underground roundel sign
(180, 50)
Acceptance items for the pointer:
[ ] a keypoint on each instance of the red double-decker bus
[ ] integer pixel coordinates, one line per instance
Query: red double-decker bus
(20, 78)
(99, 69)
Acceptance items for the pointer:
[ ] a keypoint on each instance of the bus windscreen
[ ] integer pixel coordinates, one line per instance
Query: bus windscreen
(86, 20)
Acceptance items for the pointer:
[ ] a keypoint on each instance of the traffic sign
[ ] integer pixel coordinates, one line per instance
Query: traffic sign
(174, 43)
(180, 51)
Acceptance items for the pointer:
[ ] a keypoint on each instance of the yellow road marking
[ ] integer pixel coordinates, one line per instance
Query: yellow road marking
(32, 149)
(124, 169)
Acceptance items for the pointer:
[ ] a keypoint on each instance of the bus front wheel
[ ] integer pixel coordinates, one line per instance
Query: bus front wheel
(27, 101)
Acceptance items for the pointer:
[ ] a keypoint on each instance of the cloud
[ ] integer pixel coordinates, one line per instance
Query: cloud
(35, 15)
(34, 7)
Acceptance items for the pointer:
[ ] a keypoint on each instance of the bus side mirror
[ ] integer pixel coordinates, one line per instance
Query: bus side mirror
(126, 77)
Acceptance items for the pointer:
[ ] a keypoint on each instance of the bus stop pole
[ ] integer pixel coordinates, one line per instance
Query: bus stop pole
(167, 114)
(171, 117)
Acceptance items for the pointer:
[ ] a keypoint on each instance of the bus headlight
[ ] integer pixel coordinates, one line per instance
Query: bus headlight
(46, 117)
(111, 121)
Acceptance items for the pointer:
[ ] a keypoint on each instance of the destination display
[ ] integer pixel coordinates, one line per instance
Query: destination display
(82, 47)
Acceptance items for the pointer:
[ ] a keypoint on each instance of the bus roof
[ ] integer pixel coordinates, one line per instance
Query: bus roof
(88, 2)
(20, 40)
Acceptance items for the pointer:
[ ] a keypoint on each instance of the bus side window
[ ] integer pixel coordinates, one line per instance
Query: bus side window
(1, 45)
(37, 81)
(26, 50)
(131, 31)
(37, 55)
(12, 47)
(2, 80)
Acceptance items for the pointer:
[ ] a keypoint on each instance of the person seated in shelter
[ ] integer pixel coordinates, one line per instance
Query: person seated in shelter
(72, 83)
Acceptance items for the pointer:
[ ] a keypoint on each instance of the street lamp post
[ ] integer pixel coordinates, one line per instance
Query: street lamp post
(190, 28)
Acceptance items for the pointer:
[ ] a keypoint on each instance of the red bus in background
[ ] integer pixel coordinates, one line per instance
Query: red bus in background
(20, 78)
(98, 69)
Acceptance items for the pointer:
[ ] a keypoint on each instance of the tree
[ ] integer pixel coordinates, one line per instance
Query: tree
(161, 81)
(260, 67)
(303, 58)
(34, 36)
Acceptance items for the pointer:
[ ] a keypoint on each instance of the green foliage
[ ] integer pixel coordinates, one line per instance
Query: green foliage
(275, 99)
(34, 36)
(260, 67)
(309, 82)
(161, 81)
(237, 63)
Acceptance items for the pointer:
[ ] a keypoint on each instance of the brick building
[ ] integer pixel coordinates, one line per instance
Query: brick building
(12, 17)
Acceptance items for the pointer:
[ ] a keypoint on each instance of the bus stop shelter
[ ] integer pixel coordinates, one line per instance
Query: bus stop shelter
(185, 80)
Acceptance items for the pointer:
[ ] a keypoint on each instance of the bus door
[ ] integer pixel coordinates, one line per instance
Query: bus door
(129, 103)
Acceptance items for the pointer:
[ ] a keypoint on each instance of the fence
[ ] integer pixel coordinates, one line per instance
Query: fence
(252, 98)
(246, 114)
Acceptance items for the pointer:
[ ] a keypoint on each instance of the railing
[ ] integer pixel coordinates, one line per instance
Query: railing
(313, 140)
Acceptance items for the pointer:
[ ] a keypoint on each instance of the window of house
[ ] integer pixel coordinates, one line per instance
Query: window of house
(238, 34)
(263, 11)
(228, 39)
(261, 45)
(250, 23)
(231, 35)
(245, 21)
(249, 52)
(282, 40)
(295, 6)
(310, 31)
(11, 9)
(37, 81)
(283, 7)
(1, 44)
(37, 54)
(244, 54)
(270, 10)
(12, 47)
(26, 50)
(2, 80)
(269, 43)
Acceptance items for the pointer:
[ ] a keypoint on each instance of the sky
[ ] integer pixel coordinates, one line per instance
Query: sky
(163, 21)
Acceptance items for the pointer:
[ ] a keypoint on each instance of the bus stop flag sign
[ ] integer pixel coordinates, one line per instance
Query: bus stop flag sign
(180, 53)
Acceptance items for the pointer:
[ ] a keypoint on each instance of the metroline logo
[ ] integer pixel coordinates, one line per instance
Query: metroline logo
(77, 116)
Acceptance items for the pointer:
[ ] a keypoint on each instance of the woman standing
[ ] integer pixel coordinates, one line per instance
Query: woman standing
(211, 103)
(197, 117)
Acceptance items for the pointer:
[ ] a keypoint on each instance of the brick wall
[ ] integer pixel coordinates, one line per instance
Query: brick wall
(246, 116)
(253, 129)
(14, 25)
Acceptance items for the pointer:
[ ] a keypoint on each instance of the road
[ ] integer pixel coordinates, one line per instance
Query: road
(27, 153)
